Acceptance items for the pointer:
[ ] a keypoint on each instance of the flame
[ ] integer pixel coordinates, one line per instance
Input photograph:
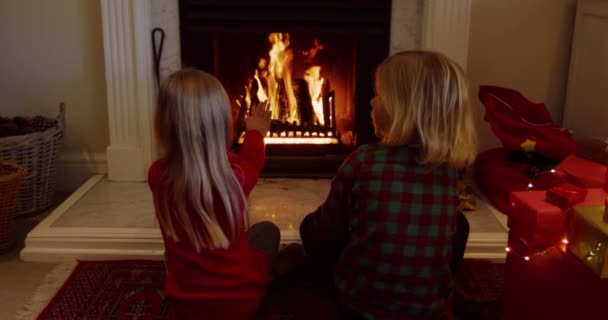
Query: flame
(274, 80)
(315, 82)
(315, 86)
(260, 93)
(279, 78)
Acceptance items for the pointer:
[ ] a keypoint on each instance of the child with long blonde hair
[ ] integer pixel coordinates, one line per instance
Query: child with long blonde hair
(216, 268)
(388, 224)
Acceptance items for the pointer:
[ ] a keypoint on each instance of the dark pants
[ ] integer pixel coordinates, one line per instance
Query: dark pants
(459, 244)
(266, 237)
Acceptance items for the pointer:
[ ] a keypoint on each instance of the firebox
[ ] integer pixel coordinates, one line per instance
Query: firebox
(312, 60)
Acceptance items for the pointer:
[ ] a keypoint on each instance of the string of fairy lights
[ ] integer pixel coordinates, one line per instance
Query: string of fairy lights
(531, 184)
(596, 250)
(527, 257)
(594, 253)
(563, 242)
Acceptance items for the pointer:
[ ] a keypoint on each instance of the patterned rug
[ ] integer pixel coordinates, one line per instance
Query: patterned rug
(111, 290)
(133, 290)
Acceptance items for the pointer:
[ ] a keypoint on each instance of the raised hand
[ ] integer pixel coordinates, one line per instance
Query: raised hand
(259, 119)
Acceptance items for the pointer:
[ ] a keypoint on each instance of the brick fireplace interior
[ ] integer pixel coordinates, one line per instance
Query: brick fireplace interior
(312, 60)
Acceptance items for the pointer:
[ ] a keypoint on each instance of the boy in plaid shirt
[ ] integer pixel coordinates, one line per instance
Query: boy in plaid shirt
(390, 217)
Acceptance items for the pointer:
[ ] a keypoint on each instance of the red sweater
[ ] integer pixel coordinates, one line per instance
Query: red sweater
(219, 283)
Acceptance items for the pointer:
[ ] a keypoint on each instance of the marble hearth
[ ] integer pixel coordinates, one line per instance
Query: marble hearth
(115, 220)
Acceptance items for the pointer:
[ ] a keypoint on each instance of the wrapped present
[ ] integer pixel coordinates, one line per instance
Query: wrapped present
(538, 223)
(585, 173)
(497, 174)
(566, 195)
(593, 149)
(551, 284)
(588, 237)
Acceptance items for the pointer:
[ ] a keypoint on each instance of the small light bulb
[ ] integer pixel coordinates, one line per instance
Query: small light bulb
(565, 241)
(527, 258)
(530, 186)
(553, 171)
(507, 249)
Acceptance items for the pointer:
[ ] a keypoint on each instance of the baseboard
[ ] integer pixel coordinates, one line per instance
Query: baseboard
(74, 168)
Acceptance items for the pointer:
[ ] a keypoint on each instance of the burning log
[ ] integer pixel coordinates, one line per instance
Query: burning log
(305, 110)
(328, 110)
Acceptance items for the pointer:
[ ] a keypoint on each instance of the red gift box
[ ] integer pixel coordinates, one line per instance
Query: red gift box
(552, 285)
(535, 221)
(566, 195)
(497, 176)
(584, 173)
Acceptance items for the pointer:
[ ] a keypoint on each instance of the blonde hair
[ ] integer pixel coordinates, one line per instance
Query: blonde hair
(193, 127)
(425, 95)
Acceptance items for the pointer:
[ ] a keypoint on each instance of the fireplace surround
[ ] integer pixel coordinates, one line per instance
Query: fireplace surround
(443, 25)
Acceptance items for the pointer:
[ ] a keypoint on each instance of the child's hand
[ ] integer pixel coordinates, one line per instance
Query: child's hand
(259, 119)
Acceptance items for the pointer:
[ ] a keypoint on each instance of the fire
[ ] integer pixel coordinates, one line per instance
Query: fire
(315, 82)
(274, 80)
(279, 78)
(315, 86)
(296, 101)
(260, 93)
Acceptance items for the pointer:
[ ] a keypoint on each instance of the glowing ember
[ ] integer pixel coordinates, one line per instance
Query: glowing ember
(306, 140)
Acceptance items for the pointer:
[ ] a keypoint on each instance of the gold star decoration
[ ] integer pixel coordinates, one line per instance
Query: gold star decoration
(528, 145)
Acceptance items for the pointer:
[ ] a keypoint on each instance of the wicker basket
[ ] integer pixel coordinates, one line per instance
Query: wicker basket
(10, 183)
(37, 152)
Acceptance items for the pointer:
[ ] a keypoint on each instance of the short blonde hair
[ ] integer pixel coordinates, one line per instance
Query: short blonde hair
(193, 126)
(425, 95)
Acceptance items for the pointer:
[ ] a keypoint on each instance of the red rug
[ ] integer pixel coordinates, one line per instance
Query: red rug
(111, 290)
(133, 290)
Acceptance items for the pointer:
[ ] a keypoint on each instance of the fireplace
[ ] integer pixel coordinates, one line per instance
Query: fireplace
(441, 25)
(312, 60)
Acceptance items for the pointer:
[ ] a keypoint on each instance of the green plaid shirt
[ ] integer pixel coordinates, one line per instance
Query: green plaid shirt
(401, 219)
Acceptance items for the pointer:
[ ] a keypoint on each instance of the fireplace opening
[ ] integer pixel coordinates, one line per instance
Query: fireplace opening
(307, 79)
(313, 62)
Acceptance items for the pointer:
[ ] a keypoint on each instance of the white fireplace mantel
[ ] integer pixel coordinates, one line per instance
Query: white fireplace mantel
(130, 78)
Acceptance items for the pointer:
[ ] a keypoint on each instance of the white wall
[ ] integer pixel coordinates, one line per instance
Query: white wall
(524, 45)
(52, 51)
